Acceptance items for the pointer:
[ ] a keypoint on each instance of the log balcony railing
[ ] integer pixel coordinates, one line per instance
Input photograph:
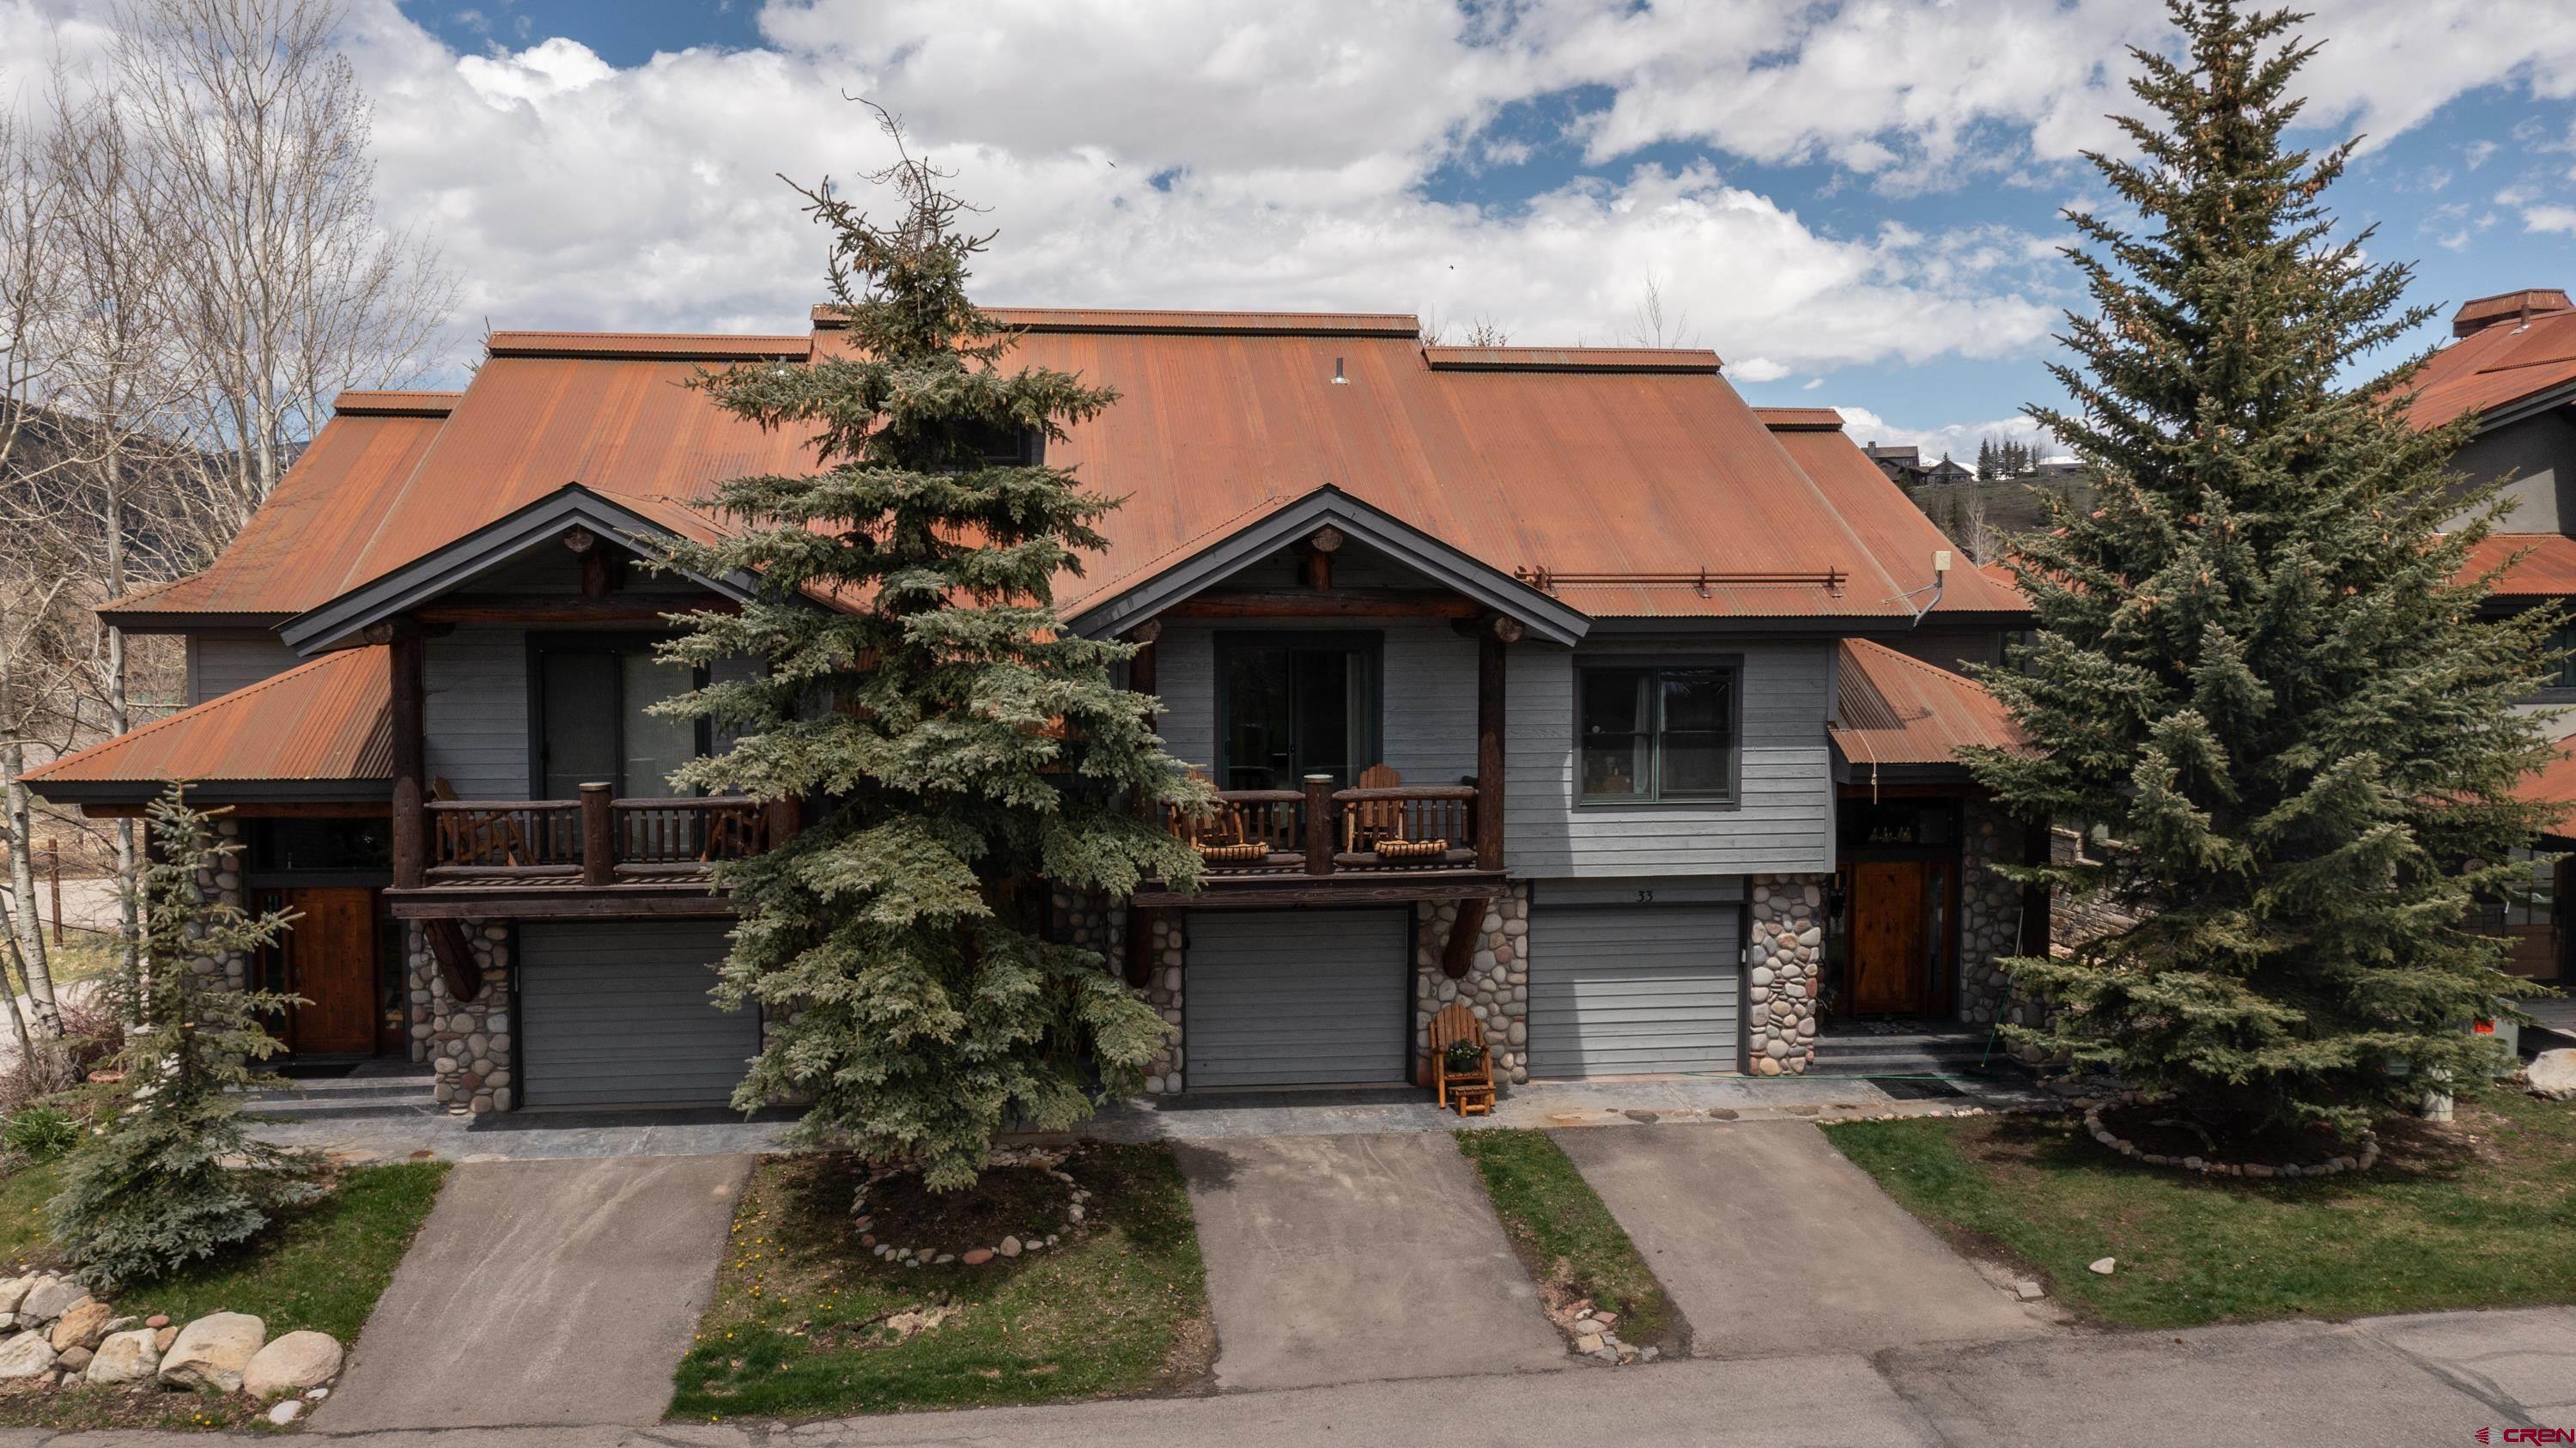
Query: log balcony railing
(597, 840)
(1320, 830)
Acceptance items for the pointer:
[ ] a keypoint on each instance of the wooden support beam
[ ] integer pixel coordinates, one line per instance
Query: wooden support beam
(455, 959)
(598, 836)
(1139, 945)
(1458, 952)
(560, 899)
(1140, 667)
(411, 759)
(1326, 603)
(1492, 662)
(1492, 625)
(1319, 824)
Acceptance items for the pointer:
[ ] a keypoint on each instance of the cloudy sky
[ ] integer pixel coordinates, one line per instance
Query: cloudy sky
(1855, 203)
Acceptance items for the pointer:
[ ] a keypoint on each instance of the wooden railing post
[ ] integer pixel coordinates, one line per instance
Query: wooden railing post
(410, 761)
(598, 836)
(1319, 824)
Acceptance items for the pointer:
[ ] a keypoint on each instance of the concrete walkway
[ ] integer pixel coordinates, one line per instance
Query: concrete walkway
(544, 1293)
(1339, 1259)
(1771, 1242)
(2400, 1382)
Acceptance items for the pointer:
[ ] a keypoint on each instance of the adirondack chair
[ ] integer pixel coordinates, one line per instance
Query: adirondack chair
(1469, 1088)
(483, 839)
(1220, 838)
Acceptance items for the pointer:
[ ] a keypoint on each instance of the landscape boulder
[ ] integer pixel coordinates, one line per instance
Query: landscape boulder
(25, 1356)
(2552, 1075)
(50, 1298)
(125, 1357)
(297, 1361)
(212, 1351)
(13, 1292)
(83, 1326)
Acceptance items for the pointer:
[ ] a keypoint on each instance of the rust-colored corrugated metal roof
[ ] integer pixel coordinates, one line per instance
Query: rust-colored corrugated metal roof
(1571, 359)
(2496, 367)
(292, 554)
(2479, 313)
(1893, 709)
(1891, 527)
(393, 402)
(1639, 482)
(1800, 419)
(329, 719)
(2554, 783)
(659, 346)
(2546, 567)
(1186, 323)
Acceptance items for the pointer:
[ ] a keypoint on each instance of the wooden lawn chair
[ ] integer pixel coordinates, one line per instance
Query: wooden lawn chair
(1472, 1087)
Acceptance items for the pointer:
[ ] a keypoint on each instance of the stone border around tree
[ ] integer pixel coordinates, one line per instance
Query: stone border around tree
(1049, 1161)
(2255, 1171)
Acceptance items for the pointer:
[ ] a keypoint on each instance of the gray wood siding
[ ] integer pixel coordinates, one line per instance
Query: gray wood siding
(218, 664)
(1296, 997)
(475, 718)
(1429, 719)
(1782, 822)
(617, 1013)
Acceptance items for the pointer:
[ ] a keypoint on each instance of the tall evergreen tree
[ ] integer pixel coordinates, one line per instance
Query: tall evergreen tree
(1985, 460)
(168, 1174)
(2253, 663)
(960, 748)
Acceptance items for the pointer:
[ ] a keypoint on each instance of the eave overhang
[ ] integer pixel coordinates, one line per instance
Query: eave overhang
(1460, 572)
(446, 569)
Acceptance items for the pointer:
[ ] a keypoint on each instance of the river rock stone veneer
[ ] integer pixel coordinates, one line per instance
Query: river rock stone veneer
(222, 885)
(1990, 924)
(1090, 922)
(1495, 987)
(1784, 961)
(467, 1043)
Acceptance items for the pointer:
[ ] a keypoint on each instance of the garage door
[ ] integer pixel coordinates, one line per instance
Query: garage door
(1632, 989)
(618, 1015)
(1296, 997)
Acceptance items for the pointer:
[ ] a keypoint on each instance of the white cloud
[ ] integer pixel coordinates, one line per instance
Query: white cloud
(2549, 218)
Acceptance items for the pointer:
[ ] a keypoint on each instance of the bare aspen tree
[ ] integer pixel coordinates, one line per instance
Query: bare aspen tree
(293, 287)
(1651, 325)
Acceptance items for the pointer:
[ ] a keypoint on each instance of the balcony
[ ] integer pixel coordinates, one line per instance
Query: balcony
(1320, 845)
(595, 855)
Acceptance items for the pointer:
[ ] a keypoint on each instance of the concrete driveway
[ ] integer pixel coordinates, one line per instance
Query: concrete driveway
(544, 1293)
(1770, 1242)
(1342, 1259)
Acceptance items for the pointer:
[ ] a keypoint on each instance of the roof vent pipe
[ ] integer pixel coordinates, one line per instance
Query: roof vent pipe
(1338, 379)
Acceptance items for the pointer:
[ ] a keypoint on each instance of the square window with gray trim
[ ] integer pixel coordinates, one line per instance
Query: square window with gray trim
(1658, 734)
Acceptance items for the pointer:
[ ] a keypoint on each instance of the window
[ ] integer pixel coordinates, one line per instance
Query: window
(1657, 734)
(591, 721)
(1291, 705)
(2562, 675)
(2532, 903)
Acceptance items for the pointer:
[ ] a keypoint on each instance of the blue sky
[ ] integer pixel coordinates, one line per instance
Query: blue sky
(1873, 234)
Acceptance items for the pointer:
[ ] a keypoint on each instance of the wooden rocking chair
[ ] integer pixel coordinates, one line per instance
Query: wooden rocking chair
(1470, 1088)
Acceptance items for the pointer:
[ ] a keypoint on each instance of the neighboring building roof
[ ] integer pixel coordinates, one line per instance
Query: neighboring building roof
(330, 720)
(2500, 371)
(1634, 480)
(1800, 419)
(2555, 783)
(1892, 709)
(2545, 569)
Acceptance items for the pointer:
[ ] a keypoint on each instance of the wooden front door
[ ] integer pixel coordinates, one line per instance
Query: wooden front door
(1891, 959)
(331, 963)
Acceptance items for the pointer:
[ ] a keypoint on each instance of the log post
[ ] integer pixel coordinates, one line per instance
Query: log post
(1319, 824)
(598, 836)
(1491, 666)
(784, 816)
(405, 648)
(1458, 952)
(1140, 665)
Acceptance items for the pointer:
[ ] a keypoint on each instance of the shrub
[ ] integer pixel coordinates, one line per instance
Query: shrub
(40, 1133)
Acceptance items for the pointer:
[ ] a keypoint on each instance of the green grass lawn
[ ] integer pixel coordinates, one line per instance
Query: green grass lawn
(319, 1267)
(797, 1326)
(1566, 1237)
(2478, 1214)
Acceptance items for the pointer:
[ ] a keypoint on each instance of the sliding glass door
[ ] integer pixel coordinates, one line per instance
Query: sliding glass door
(1290, 705)
(591, 723)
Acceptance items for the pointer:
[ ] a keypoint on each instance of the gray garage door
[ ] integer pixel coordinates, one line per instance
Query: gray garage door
(618, 1015)
(1296, 997)
(1632, 989)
